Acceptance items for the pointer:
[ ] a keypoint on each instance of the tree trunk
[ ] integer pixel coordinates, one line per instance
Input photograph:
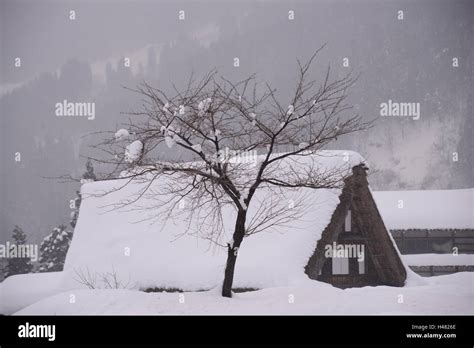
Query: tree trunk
(232, 251)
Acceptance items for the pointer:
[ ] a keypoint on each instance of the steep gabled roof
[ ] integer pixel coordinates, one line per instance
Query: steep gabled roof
(161, 256)
(382, 250)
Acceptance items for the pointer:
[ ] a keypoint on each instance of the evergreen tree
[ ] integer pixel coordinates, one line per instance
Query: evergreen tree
(87, 176)
(18, 265)
(54, 247)
(89, 173)
(75, 209)
(53, 250)
(3, 269)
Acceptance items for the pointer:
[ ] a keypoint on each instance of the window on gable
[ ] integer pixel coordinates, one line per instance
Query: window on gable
(348, 222)
(361, 267)
(340, 265)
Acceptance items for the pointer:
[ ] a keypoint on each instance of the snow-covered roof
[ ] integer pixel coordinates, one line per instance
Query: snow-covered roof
(152, 253)
(426, 209)
(439, 259)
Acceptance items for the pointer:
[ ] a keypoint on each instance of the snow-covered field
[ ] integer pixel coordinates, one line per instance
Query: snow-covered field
(446, 295)
(58, 293)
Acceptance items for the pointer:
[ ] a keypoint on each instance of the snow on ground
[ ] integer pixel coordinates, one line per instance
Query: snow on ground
(451, 294)
(439, 260)
(21, 290)
(426, 209)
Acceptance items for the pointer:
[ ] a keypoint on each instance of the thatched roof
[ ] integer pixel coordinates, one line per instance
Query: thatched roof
(161, 256)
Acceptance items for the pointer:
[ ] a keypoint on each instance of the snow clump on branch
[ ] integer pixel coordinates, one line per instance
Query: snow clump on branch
(133, 151)
(121, 134)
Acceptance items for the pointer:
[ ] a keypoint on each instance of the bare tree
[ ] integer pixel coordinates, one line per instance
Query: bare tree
(218, 123)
